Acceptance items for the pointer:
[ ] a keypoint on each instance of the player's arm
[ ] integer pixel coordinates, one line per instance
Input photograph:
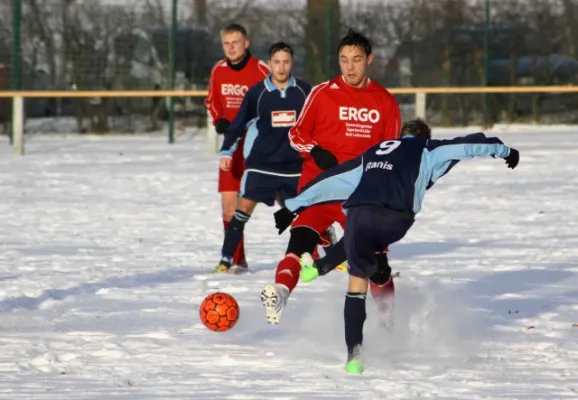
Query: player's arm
(439, 172)
(442, 154)
(213, 100)
(235, 131)
(392, 126)
(332, 186)
(301, 134)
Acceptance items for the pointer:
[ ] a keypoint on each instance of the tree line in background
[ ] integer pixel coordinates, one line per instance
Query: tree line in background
(123, 45)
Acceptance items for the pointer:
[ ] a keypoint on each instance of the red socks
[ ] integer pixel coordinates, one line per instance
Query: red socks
(239, 256)
(288, 271)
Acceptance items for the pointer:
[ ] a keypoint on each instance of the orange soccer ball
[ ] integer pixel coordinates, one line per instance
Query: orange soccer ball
(219, 311)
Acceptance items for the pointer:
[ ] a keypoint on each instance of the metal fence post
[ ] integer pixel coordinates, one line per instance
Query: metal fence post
(172, 67)
(420, 105)
(16, 57)
(18, 125)
(486, 59)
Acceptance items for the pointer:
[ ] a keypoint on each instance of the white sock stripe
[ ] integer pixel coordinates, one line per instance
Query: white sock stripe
(241, 216)
(362, 296)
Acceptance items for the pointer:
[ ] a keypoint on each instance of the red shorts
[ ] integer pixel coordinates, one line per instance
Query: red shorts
(319, 218)
(230, 181)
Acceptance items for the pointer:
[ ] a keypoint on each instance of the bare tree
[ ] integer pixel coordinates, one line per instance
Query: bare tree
(571, 26)
(43, 25)
(154, 14)
(201, 12)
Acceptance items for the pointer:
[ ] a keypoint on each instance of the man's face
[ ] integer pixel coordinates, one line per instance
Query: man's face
(281, 64)
(234, 45)
(353, 63)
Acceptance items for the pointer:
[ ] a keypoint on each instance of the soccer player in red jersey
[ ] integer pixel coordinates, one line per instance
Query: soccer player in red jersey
(340, 120)
(230, 79)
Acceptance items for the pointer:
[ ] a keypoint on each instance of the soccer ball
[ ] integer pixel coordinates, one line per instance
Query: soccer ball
(219, 312)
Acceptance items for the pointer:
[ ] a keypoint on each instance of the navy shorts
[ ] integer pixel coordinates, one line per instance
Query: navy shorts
(370, 230)
(263, 187)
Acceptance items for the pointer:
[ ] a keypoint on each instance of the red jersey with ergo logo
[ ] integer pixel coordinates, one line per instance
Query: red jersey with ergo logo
(228, 86)
(344, 120)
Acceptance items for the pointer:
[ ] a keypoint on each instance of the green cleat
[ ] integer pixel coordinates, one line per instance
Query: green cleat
(220, 269)
(308, 270)
(354, 367)
(309, 273)
(354, 363)
(223, 266)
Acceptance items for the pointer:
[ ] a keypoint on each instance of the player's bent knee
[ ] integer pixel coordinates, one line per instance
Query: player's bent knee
(380, 277)
(383, 272)
(239, 220)
(302, 240)
(246, 205)
(361, 271)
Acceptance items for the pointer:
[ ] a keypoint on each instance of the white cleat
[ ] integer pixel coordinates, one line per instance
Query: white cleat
(238, 269)
(274, 298)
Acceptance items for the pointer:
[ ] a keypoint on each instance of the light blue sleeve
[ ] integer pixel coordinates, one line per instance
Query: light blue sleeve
(466, 151)
(436, 162)
(245, 116)
(331, 186)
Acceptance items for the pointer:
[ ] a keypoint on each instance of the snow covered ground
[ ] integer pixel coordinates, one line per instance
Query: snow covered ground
(106, 246)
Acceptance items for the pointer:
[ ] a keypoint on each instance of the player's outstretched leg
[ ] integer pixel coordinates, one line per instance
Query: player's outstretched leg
(274, 296)
(358, 243)
(367, 231)
(274, 299)
(334, 256)
(332, 238)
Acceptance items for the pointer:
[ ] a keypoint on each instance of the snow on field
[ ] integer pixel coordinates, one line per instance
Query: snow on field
(106, 246)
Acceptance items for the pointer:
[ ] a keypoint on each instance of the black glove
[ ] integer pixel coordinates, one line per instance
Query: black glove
(221, 126)
(323, 158)
(513, 158)
(283, 218)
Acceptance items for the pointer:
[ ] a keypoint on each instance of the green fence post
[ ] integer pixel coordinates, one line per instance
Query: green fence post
(486, 59)
(172, 68)
(16, 56)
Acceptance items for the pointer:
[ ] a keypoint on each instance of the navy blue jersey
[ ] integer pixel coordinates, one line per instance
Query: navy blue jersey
(267, 113)
(396, 173)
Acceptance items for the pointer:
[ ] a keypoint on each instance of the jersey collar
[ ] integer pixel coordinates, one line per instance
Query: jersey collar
(347, 84)
(271, 87)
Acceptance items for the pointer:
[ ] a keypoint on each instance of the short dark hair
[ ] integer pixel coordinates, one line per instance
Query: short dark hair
(416, 127)
(280, 46)
(235, 28)
(354, 38)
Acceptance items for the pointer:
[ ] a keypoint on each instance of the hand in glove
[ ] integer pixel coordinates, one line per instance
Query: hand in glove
(323, 158)
(513, 158)
(283, 218)
(221, 126)
(225, 163)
